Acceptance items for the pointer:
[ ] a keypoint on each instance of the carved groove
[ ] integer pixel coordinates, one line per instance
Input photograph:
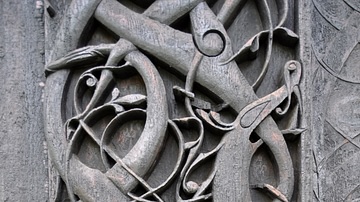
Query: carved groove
(222, 138)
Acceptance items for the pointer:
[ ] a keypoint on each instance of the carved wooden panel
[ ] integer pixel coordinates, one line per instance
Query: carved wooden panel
(23, 156)
(174, 100)
(336, 50)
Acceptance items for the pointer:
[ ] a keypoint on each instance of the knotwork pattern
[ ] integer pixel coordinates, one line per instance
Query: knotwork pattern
(179, 107)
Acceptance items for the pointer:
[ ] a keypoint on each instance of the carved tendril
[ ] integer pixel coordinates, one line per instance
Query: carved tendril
(196, 118)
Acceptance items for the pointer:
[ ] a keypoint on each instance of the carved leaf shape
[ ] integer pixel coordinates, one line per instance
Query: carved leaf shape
(118, 108)
(251, 115)
(82, 57)
(218, 127)
(115, 94)
(133, 99)
(287, 36)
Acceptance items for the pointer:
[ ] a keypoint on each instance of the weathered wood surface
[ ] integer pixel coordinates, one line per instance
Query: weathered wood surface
(223, 83)
(335, 100)
(325, 157)
(23, 155)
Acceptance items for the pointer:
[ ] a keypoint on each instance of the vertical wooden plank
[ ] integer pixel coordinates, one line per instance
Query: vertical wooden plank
(303, 17)
(23, 157)
(335, 99)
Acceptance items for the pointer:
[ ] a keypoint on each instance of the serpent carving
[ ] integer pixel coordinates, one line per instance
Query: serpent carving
(205, 58)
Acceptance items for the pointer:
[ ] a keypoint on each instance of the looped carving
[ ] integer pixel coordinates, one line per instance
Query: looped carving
(154, 128)
(204, 57)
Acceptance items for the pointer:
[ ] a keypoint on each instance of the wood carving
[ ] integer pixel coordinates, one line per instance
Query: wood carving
(181, 106)
(336, 100)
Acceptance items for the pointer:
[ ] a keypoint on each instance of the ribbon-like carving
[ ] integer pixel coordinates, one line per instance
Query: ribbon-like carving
(91, 162)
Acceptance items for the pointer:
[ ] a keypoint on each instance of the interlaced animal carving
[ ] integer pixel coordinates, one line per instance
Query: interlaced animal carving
(204, 57)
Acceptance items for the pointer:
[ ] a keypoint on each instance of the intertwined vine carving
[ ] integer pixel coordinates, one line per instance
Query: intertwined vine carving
(86, 146)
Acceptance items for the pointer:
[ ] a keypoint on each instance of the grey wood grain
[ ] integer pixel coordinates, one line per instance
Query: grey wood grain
(23, 158)
(325, 157)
